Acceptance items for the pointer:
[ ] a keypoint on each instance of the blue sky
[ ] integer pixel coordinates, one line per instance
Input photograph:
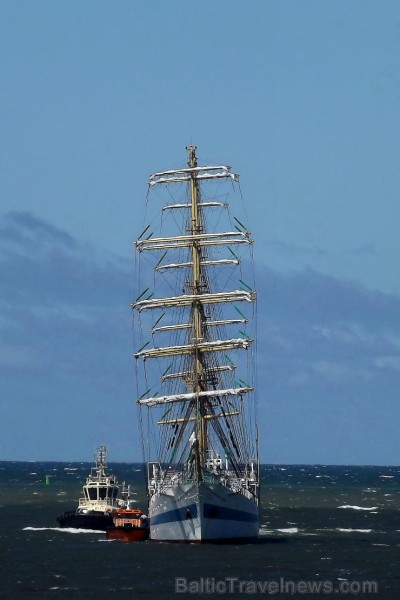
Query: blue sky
(302, 99)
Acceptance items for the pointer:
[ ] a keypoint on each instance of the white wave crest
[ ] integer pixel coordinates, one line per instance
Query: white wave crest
(62, 529)
(265, 531)
(354, 530)
(358, 507)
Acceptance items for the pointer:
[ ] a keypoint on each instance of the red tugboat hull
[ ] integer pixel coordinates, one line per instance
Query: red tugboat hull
(126, 534)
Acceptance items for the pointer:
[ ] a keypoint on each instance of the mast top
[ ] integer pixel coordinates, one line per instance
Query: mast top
(192, 162)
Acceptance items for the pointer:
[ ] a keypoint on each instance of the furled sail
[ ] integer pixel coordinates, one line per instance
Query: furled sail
(215, 346)
(181, 241)
(194, 396)
(200, 204)
(198, 173)
(204, 263)
(188, 299)
(190, 325)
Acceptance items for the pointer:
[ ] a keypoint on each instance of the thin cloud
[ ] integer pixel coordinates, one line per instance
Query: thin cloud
(388, 362)
(44, 267)
(311, 296)
(59, 301)
(23, 228)
(315, 327)
(289, 250)
(366, 249)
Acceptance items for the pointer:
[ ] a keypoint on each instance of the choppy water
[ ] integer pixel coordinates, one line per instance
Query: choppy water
(339, 525)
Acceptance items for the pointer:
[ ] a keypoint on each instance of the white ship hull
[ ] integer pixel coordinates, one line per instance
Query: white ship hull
(202, 512)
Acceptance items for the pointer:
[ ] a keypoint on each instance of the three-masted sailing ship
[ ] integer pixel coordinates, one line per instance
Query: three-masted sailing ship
(194, 330)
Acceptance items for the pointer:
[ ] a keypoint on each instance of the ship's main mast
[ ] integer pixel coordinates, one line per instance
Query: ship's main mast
(197, 289)
(198, 379)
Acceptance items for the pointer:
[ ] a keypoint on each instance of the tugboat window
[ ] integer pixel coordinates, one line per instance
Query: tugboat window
(102, 493)
(92, 494)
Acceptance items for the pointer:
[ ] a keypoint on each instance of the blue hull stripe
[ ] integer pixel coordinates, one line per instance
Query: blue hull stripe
(211, 511)
(177, 514)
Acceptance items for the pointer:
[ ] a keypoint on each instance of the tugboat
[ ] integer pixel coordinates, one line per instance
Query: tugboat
(129, 524)
(95, 510)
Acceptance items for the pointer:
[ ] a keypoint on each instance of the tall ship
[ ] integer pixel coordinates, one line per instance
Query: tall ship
(194, 333)
(99, 498)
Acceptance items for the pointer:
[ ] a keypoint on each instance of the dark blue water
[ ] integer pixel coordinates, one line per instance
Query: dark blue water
(337, 527)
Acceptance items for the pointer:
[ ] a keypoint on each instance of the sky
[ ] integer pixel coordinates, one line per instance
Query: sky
(303, 100)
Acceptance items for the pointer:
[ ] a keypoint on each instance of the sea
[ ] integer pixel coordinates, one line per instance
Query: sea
(325, 531)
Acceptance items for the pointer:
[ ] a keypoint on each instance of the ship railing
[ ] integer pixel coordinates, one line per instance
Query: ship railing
(245, 486)
(101, 503)
(165, 480)
(172, 479)
(128, 523)
(106, 480)
(236, 485)
(169, 479)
